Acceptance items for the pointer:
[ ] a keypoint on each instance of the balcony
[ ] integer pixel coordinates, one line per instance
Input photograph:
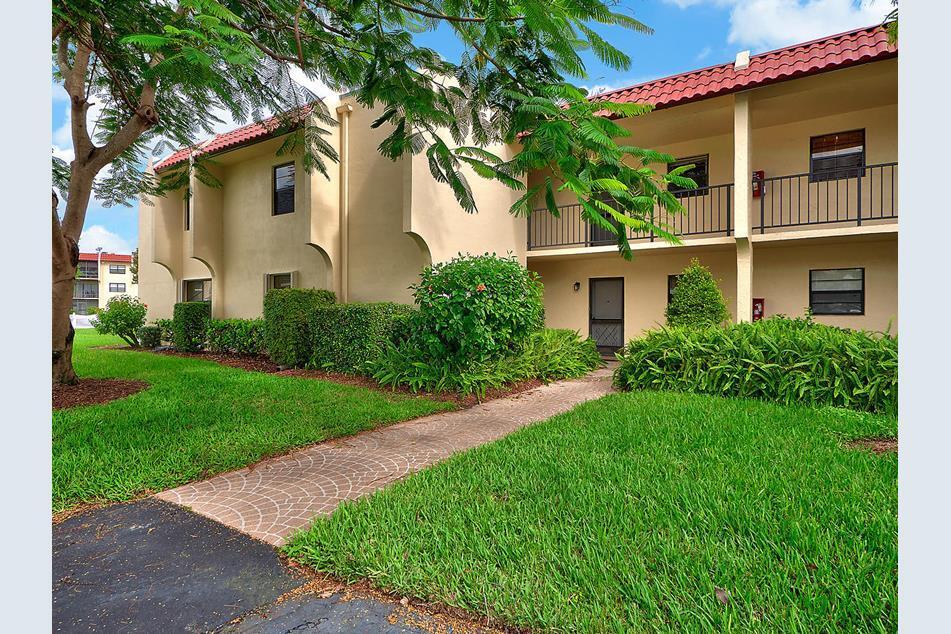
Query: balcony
(87, 273)
(856, 196)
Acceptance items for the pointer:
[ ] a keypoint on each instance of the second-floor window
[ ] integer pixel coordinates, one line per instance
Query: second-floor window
(188, 211)
(85, 290)
(284, 189)
(117, 269)
(117, 287)
(837, 155)
(700, 173)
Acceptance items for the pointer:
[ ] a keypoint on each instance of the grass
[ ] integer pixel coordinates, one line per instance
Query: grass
(198, 418)
(630, 512)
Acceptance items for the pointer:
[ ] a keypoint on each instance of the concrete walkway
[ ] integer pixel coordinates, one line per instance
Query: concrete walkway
(274, 498)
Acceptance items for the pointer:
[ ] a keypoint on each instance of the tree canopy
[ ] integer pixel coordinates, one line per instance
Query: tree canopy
(163, 72)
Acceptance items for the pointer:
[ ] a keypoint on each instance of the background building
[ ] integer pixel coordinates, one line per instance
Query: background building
(99, 277)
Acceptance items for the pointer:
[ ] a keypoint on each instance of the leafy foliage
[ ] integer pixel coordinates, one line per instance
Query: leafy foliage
(287, 314)
(189, 325)
(345, 337)
(511, 84)
(167, 328)
(477, 308)
(777, 359)
(696, 300)
(122, 316)
(547, 354)
(238, 336)
(150, 336)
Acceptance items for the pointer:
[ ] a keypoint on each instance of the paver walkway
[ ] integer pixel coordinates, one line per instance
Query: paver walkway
(274, 498)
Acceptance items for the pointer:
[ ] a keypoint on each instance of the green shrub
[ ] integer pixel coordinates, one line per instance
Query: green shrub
(168, 329)
(344, 337)
(150, 336)
(557, 353)
(189, 323)
(122, 316)
(777, 359)
(477, 308)
(696, 300)
(287, 314)
(548, 355)
(238, 336)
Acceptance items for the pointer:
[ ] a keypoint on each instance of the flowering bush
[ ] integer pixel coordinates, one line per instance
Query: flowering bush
(122, 316)
(477, 308)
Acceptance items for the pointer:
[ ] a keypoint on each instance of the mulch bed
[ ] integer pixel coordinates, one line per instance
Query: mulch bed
(94, 392)
(255, 363)
(875, 445)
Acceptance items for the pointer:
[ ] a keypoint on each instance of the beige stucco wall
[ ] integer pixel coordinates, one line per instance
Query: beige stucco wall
(645, 284)
(781, 277)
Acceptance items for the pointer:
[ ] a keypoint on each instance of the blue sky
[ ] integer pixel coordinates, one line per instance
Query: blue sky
(688, 34)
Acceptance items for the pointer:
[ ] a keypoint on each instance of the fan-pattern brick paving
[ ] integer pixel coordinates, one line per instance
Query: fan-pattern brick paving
(272, 499)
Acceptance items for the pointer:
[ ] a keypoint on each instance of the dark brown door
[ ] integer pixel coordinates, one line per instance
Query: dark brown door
(606, 310)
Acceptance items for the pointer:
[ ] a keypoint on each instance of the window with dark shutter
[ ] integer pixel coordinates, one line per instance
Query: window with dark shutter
(188, 211)
(700, 173)
(837, 291)
(284, 189)
(671, 285)
(835, 156)
(197, 291)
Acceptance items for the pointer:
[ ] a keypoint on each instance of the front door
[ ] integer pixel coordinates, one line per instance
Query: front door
(606, 309)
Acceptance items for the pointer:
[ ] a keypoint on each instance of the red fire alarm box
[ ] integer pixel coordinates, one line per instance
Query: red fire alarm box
(759, 307)
(759, 187)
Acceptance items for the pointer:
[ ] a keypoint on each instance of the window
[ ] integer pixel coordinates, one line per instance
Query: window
(84, 306)
(88, 270)
(837, 291)
(197, 291)
(284, 189)
(85, 290)
(117, 287)
(117, 269)
(671, 285)
(699, 173)
(835, 156)
(188, 210)
(280, 280)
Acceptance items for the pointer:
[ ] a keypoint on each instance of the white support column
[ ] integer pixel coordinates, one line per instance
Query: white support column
(743, 199)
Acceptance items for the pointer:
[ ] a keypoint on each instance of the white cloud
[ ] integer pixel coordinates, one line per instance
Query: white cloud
(98, 236)
(597, 89)
(703, 54)
(766, 24)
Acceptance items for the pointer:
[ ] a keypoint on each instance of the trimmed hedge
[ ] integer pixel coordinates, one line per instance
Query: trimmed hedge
(776, 359)
(189, 323)
(150, 336)
(345, 337)
(287, 313)
(239, 336)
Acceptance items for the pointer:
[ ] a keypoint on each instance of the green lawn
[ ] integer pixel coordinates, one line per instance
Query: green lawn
(628, 513)
(198, 418)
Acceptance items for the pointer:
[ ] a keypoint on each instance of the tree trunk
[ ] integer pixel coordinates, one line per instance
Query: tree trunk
(65, 260)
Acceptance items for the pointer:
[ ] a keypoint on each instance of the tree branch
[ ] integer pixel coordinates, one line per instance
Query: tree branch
(447, 18)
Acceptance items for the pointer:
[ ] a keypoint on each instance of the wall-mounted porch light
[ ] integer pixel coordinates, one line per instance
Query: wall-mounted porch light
(577, 286)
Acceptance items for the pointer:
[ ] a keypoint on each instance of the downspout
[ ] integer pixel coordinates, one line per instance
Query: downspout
(344, 114)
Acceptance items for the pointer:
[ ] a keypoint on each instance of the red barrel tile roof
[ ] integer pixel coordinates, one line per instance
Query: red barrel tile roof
(106, 257)
(253, 132)
(799, 60)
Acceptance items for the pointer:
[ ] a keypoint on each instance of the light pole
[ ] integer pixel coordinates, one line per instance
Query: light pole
(99, 276)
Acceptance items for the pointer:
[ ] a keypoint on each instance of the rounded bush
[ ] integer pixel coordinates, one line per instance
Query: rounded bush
(477, 308)
(150, 336)
(696, 300)
(122, 316)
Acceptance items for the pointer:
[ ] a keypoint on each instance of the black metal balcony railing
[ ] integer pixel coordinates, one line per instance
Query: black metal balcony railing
(852, 196)
(706, 212)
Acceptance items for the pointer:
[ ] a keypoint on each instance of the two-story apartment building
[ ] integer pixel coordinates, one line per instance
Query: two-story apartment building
(794, 154)
(100, 277)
